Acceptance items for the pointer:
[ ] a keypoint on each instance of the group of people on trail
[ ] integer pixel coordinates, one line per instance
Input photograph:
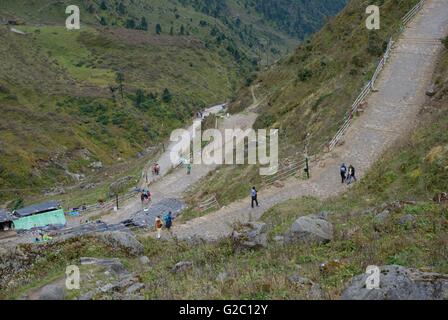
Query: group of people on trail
(200, 115)
(165, 221)
(156, 169)
(348, 174)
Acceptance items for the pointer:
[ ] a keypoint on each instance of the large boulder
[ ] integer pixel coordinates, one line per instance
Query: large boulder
(399, 283)
(250, 236)
(310, 229)
(51, 292)
(122, 240)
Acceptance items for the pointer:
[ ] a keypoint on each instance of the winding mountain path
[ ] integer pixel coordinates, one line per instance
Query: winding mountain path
(392, 113)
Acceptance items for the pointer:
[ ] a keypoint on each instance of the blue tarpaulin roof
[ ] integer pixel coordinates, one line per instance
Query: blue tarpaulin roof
(37, 208)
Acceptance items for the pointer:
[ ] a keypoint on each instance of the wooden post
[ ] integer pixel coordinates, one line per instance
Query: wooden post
(116, 198)
(307, 168)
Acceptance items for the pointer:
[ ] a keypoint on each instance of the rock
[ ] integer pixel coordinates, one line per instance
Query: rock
(324, 215)
(399, 283)
(144, 261)
(88, 296)
(99, 262)
(310, 229)
(108, 288)
(182, 266)
(51, 292)
(222, 277)
(136, 287)
(250, 236)
(121, 240)
(380, 220)
(432, 90)
(96, 165)
(382, 217)
(125, 283)
(88, 186)
(301, 281)
(113, 265)
(315, 292)
(279, 239)
(407, 219)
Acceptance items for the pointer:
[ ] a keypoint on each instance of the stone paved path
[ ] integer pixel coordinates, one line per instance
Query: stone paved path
(391, 114)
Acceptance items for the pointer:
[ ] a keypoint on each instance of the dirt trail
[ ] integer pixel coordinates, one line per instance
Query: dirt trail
(391, 114)
(172, 183)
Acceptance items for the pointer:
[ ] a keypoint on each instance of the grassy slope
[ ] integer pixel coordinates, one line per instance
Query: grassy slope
(415, 169)
(310, 91)
(60, 80)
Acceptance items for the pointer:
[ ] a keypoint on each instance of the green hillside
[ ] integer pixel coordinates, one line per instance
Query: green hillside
(413, 171)
(310, 91)
(135, 71)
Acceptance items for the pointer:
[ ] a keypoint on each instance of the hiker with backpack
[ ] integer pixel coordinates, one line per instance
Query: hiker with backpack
(168, 218)
(344, 172)
(159, 226)
(254, 195)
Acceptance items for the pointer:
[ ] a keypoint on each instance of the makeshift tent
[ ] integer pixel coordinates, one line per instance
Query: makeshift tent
(55, 217)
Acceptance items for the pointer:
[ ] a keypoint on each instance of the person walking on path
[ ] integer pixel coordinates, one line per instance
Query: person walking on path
(168, 218)
(188, 168)
(344, 172)
(351, 174)
(254, 195)
(159, 226)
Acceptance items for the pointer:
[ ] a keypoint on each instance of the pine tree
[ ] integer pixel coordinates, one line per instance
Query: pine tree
(121, 8)
(130, 24)
(144, 24)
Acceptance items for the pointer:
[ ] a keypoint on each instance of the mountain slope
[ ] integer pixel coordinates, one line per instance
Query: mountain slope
(72, 99)
(311, 91)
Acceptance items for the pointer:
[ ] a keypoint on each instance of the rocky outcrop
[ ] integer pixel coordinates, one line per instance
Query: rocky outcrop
(250, 236)
(310, 229)
(182, 266)
(51, 292)
(123, 241)
(399, 283)
(314, 291)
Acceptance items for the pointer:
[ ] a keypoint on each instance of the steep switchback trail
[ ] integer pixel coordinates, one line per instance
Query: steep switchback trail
(392, 112)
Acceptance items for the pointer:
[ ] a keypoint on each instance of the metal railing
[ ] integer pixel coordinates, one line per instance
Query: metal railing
(210, 203)
(287, 172)
(411, 14)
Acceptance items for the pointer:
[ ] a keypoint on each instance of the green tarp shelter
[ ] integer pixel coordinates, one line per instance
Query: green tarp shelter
(55, 217)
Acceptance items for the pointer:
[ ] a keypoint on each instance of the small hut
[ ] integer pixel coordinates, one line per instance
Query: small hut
(39, 215)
